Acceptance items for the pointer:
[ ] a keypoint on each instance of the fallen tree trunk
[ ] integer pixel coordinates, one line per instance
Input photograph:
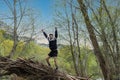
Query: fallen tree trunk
(32, 70)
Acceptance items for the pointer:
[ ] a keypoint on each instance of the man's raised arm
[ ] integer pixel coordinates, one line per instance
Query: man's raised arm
(46, 36)
(56, 33)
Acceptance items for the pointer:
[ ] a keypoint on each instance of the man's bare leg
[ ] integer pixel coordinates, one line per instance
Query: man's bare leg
(55, 61)
(47, 60)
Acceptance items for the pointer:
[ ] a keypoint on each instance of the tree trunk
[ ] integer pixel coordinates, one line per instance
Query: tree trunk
(15, 31)
(97, 51)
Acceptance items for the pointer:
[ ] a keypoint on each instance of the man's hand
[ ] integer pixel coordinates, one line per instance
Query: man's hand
(42, 30)
(55, 28)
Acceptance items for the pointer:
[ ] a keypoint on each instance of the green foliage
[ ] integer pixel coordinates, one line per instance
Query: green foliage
(31, 50)
(65, 59)
(1, 35)
(5, 44)
(6, 47)
(39, 53)
(89, 64)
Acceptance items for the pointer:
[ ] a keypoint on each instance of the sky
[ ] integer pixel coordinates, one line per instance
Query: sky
(44, 8)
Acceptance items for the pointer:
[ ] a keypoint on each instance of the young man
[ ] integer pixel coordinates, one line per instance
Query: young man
(53, 47)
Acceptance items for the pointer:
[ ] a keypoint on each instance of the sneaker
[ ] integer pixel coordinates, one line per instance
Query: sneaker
(56, 68)
(49, 65)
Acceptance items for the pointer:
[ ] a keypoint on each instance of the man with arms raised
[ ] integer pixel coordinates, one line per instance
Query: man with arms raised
(53, 47)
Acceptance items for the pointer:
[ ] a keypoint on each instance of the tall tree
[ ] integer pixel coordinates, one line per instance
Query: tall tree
(19, 14)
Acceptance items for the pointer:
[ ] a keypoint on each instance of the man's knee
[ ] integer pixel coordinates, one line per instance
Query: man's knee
(55, 60)
(47, 59)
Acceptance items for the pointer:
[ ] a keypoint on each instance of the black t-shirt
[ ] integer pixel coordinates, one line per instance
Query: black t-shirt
(53, 44)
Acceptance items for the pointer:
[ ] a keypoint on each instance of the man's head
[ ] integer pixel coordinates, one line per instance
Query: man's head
(51, 36)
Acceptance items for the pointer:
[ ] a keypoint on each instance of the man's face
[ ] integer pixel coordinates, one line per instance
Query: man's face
(51, 36)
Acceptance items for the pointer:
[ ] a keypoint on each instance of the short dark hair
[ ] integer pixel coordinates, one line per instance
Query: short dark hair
(51, 34)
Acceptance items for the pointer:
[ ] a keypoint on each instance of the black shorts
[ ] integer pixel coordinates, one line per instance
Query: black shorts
(53, 53)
